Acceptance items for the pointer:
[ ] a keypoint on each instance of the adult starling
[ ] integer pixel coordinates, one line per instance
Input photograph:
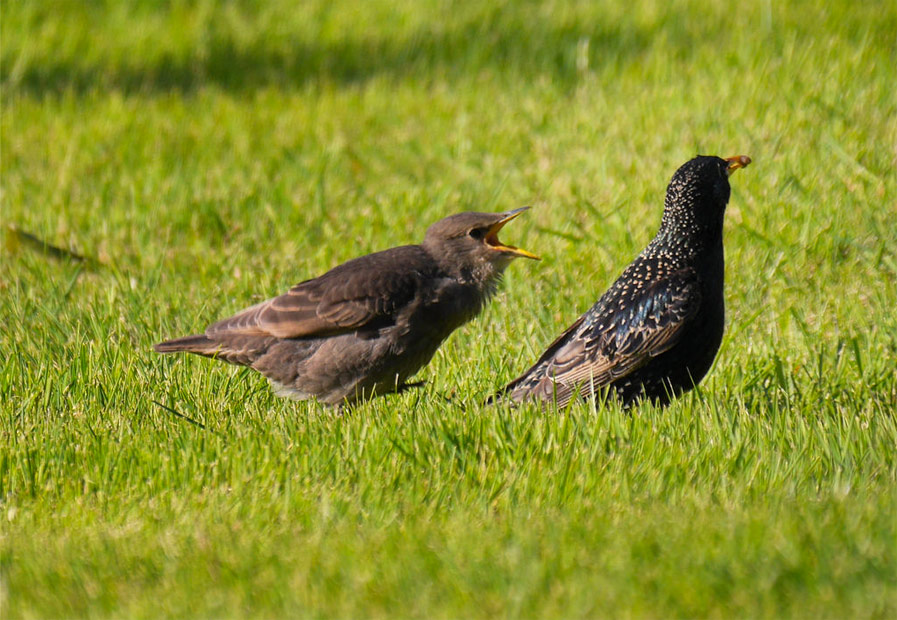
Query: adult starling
(366, 326)
(655, 332)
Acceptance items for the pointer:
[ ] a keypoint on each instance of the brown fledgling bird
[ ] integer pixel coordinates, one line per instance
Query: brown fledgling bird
(366, 326)
(655, 332)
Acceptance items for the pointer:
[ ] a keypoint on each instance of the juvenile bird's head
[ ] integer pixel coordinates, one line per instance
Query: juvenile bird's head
(467, 245)
(697, 196)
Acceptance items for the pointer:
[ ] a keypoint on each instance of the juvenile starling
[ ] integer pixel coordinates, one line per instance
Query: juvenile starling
(366, 326)
(655, 332)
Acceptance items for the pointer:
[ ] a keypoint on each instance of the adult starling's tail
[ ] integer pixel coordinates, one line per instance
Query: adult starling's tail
(511, 393)
(497, 397)
(526, 387)
(198, 343)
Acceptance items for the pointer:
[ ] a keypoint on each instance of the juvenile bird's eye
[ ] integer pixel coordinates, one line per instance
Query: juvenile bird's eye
(477, 233)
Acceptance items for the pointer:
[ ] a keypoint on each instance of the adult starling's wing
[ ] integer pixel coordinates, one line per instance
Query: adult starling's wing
(364, 292)
(610, 341)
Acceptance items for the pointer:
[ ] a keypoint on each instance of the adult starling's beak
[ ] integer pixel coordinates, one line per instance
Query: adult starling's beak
(739, 161)
(492, 241)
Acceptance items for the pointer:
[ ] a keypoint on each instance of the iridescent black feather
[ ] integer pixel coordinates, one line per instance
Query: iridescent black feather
(656, 331)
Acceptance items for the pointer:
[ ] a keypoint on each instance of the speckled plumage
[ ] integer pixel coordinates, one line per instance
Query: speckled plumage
(656, 331)
(366, 326)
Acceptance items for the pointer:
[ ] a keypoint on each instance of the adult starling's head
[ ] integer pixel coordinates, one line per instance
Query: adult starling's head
(467, 244)
(698, 193)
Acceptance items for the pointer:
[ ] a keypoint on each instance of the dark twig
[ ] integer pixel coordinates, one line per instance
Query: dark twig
(16, 236)
(184, 417)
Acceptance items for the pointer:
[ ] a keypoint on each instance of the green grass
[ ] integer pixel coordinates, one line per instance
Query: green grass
(209, 157)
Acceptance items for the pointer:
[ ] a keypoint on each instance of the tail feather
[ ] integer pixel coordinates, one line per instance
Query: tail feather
(198, 343)
(498, 396)
(240, 349)
(534, 384)
(510, 392)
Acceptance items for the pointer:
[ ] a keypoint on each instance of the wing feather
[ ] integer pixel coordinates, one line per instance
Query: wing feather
(612, 347)
(363, 292)
(612, 340)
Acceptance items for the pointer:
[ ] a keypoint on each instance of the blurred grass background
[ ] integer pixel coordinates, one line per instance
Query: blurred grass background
(206, 156)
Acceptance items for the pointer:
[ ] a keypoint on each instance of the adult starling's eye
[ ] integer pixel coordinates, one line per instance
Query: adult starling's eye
(477, 233)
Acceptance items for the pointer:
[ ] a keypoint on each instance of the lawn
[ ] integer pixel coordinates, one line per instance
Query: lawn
(202, 157)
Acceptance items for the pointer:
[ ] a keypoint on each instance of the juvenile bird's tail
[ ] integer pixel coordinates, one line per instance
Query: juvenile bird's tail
(198, 343)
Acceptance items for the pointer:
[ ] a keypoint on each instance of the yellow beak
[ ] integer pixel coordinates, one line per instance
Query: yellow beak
(492, 236)
(739, 161)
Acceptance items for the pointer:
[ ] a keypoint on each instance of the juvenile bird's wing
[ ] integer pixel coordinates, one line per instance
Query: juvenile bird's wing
(612, 339)
(364, 292)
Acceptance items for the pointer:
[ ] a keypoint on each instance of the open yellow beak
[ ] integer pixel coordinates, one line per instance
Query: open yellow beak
(739, 161)
(492, 236)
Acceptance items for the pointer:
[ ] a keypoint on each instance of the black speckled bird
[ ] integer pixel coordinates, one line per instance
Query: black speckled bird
(655, 332)
(366, 326)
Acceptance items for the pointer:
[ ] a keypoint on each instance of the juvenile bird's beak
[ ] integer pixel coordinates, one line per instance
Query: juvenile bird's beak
(739, 161)
(492, 241)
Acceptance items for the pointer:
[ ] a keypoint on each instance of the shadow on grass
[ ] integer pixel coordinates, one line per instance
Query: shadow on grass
(501, 43)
